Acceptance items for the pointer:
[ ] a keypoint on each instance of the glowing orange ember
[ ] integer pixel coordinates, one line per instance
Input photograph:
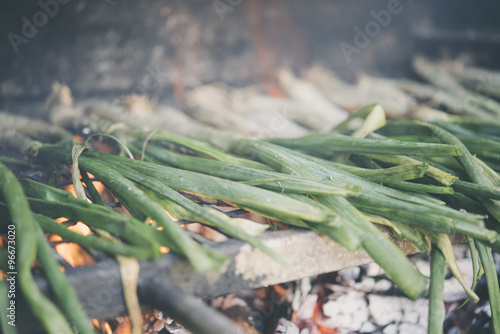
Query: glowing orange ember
(280, 290)
(97, 184)
(80, 228)
(75, 255)
(96, 323)
(54, 238)
(70, 188)
(107, 328)
(72, 253)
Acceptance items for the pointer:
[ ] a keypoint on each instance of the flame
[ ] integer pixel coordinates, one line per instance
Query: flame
(97, 184)
(95, 323)
(164, 250)
(72, 253)
(280, 290)
(70, 188)
(206, 232)
(106, 328)
(80, 228)
(54, 238)
(75, 255)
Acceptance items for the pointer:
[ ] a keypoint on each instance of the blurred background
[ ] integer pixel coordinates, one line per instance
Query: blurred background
(160, 49)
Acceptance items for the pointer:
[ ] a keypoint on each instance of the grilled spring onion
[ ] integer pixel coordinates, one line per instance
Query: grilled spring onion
(439, 175)
(47, 200)
(291, 183)
(203, 259)
(321, 143)
(401, 231)
(196, 209)
(476, 170)
(395, 203)
(26, 240)
(128, 190)
(204, 149)
(50, 226)
(492, 282)
(243, 195)
(385, 201)
(63, 291)
(374, 119)
(436, 289)
(91, 241)
(387, 175)
(404, 274)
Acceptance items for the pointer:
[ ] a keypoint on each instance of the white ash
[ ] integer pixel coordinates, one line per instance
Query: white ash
(301, 293)
(368, 327)
(391, 329)
(383, 285)
(306, 308)
(373, 269)
(414, 329)
(366, 301)
(484, 309)
(286, 327)
(379, 307)
(350, 275)
(348, 311)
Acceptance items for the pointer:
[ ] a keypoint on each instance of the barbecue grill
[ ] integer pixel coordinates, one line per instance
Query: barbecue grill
(104, 49)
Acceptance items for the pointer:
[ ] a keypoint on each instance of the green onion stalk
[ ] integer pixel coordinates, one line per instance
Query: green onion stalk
(340, 190)
(431, 214)
(397, 266)
(340, 176)
(448, 220)
(126, 186)
(436, 289)
(245, 196)
(52, 320)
